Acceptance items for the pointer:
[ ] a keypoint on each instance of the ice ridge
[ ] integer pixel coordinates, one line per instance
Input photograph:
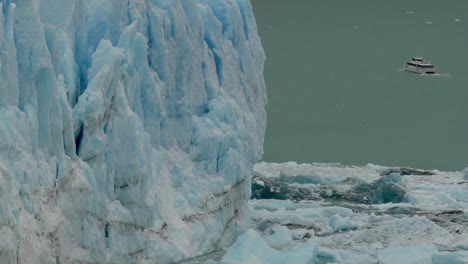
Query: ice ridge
(128, 128)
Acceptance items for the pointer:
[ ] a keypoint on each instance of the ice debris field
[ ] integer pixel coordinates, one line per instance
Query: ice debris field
(329, 213)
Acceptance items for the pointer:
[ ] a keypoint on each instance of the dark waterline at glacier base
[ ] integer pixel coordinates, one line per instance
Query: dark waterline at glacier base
(337, 92)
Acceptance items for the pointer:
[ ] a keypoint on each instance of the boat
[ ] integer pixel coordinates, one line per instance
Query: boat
(420, 66)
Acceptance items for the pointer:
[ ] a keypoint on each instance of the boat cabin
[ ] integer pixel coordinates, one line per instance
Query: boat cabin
(419, 65)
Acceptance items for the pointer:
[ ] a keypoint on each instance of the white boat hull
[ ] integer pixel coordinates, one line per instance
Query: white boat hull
(419, 70)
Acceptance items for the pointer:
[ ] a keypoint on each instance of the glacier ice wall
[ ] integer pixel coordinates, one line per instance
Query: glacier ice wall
(128, 128)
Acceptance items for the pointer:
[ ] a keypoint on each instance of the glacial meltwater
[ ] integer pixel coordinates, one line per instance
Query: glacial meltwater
(336, 90)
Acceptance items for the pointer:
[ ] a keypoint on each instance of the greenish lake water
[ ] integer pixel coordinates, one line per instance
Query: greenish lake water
(337, 92)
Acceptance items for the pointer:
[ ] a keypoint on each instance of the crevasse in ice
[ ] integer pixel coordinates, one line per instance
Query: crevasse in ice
(128, 129)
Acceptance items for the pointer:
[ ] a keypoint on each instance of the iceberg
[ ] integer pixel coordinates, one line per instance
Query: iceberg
(251, 248)
(128, 129)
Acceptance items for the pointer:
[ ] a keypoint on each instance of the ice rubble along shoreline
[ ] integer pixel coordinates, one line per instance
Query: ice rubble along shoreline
(128, 129)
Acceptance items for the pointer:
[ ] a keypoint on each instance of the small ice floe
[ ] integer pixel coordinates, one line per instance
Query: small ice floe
(408, 254)
(450, 257)
(250, 247)
(259, 182)
(409, 12)
(428, 22)
(457, 20)
(356, 27)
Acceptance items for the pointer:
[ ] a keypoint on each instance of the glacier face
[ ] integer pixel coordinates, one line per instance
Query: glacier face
(128, 128)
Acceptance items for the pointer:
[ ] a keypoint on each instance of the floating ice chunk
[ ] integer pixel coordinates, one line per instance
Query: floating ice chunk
(378, 168)
(337, 210)
(301, 233)
(465, 173)
(388, 189)
(274, 188)
(327, 255)
(450, 258)
(259, 182)
(280, 238)
(445, 198)
(459, 195)
(428, 22)
(407, 255)
(457, 20)
(251, 248)
(462, 244)
(339, 223)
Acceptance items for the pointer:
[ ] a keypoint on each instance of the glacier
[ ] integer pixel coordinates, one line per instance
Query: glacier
(128, 128)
